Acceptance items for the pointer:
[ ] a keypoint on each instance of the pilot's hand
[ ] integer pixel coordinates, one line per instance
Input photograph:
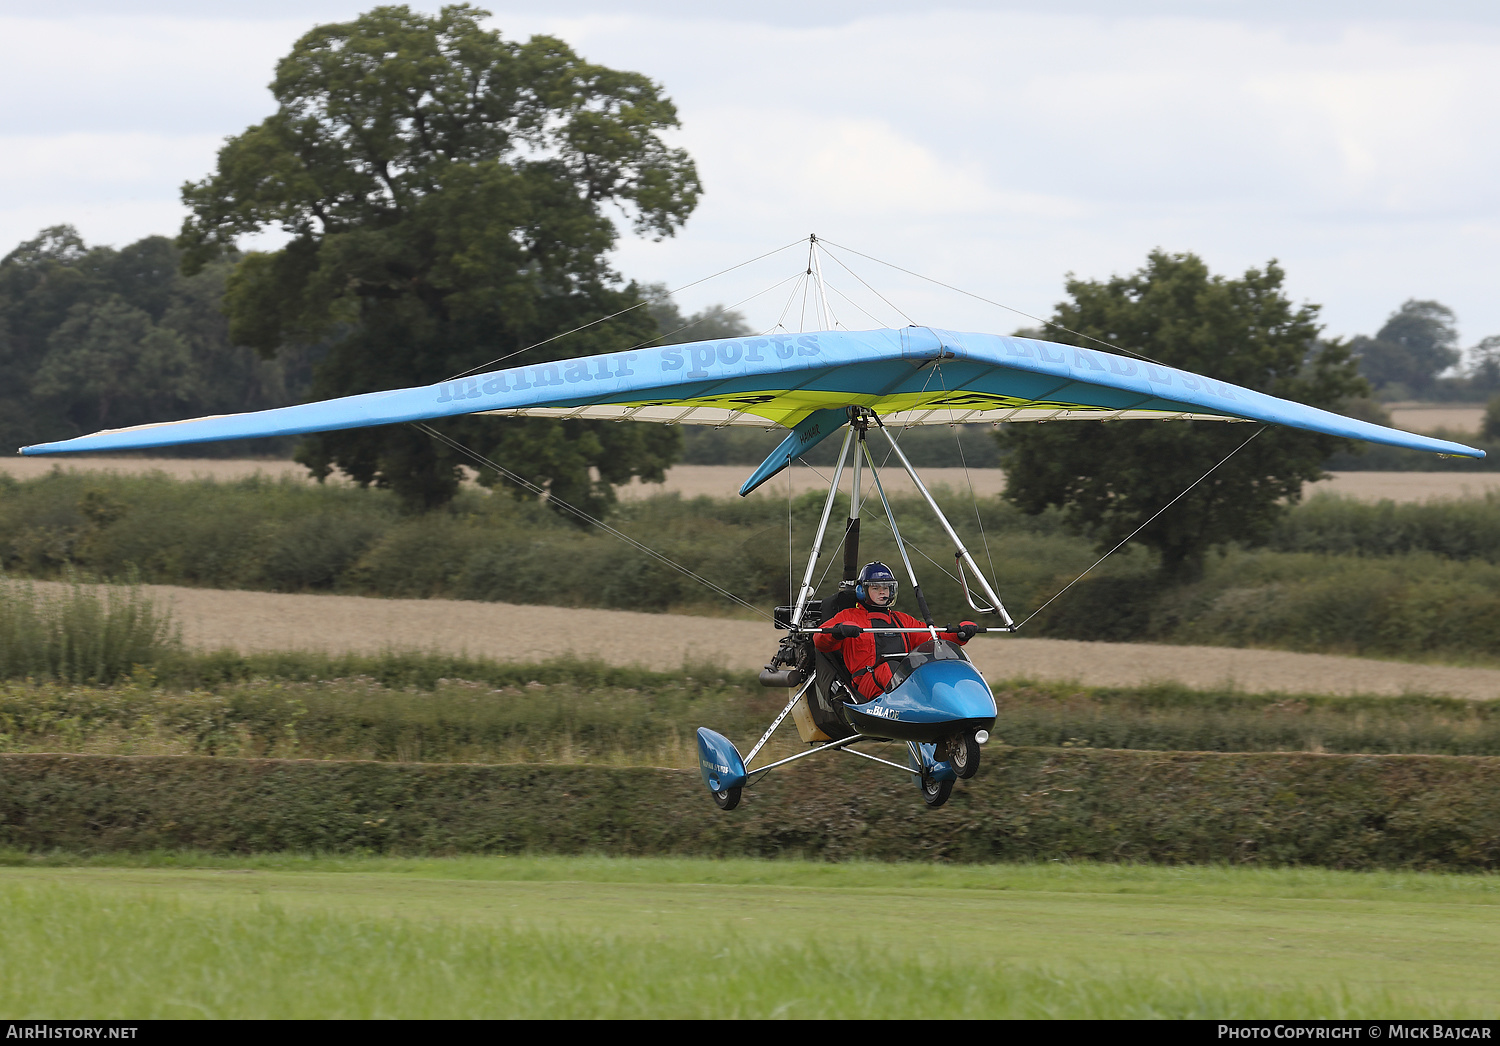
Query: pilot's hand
(966, 630)
(846, 631)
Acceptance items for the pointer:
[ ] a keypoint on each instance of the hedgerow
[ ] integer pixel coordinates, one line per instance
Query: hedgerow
(1416, 812)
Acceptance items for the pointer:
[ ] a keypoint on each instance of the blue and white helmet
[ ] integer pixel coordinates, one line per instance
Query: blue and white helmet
(878, 577)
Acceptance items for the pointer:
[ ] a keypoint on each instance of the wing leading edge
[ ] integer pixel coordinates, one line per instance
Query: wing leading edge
(913, 376)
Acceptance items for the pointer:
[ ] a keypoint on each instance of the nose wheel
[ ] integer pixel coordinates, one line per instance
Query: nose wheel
(727, 798)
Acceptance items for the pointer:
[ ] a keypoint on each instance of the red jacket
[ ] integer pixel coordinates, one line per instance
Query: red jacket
(871, 674)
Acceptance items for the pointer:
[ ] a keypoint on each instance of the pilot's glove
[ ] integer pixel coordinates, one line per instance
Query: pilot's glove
(966, 630)
(846, 631)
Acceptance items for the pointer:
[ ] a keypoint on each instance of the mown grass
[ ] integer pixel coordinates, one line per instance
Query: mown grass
(184, 935)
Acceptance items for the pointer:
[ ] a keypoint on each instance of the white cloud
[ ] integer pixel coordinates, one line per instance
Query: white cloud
(997, 150)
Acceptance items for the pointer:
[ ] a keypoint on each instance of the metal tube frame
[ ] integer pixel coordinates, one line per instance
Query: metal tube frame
(811, 631)
(817, 266)
(805, 592)
(803, 755)
(776, 722)
(896, 533)
(889, 515)
(962, 556)
(887, 762)
(854, 469)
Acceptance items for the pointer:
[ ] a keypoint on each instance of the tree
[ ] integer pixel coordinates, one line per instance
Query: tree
(709, 323)
(1418, 342)
(1484, 364)
(447, 195)
(1110, 477)
(93, 337)
(111, 351)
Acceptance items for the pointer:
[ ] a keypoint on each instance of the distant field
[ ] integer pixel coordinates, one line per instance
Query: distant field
(1429, 417)
(267, 621)
(720, 481)
(282, 937)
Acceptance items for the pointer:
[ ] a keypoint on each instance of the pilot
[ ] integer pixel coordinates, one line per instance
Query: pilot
(866, 654)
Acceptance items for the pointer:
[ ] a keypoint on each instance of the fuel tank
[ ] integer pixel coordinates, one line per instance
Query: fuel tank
(939, 694)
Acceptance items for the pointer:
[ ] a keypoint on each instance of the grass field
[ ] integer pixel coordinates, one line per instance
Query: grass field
(283, 936)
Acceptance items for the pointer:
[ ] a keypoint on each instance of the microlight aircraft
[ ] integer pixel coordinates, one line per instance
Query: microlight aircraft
(858, 385)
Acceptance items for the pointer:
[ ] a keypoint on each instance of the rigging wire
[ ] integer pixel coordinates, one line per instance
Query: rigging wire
(833, 556)
(613, 315)
(854, 303)
(872, 290)
(1000, 305)
(560, 503)
(969, 479)
(781, 320)
(1142, 527)
(717, 312)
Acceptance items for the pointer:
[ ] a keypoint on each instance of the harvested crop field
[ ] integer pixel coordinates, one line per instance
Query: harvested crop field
(1430, 417)
(719, 481)
(688, 480)
(265, 621)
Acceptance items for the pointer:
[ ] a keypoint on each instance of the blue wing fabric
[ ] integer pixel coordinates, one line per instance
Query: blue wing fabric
(912, 376)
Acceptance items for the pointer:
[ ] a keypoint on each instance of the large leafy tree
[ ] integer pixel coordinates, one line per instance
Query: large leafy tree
(1418, 342)
(447, 194)
(1110, 477)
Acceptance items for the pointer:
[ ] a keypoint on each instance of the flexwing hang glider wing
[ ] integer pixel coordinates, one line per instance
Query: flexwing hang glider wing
(912, 376)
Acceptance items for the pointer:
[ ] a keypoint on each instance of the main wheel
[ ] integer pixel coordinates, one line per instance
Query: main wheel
(936, 793)
(728, 799)
(963, 753)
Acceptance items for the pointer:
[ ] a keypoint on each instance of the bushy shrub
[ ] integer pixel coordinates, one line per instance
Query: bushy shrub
(81, 633)
(1454, 529)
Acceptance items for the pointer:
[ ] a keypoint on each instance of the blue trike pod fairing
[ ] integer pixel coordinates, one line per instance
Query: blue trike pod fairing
(942, 694)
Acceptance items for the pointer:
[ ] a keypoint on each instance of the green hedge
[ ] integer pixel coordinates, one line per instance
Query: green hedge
(1418, 812)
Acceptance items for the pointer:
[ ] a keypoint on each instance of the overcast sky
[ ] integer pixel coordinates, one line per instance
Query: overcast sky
(996, 146)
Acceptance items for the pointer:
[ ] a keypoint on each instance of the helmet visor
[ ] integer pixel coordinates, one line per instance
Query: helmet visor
(880, 593)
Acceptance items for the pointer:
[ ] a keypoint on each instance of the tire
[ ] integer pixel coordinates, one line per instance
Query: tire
(728, 799)
(963, 753)
(936, 793)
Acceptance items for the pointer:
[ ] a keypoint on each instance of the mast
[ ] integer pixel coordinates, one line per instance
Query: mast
(815, 267)
(890, 516)
(805, 592)
(859, 424)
